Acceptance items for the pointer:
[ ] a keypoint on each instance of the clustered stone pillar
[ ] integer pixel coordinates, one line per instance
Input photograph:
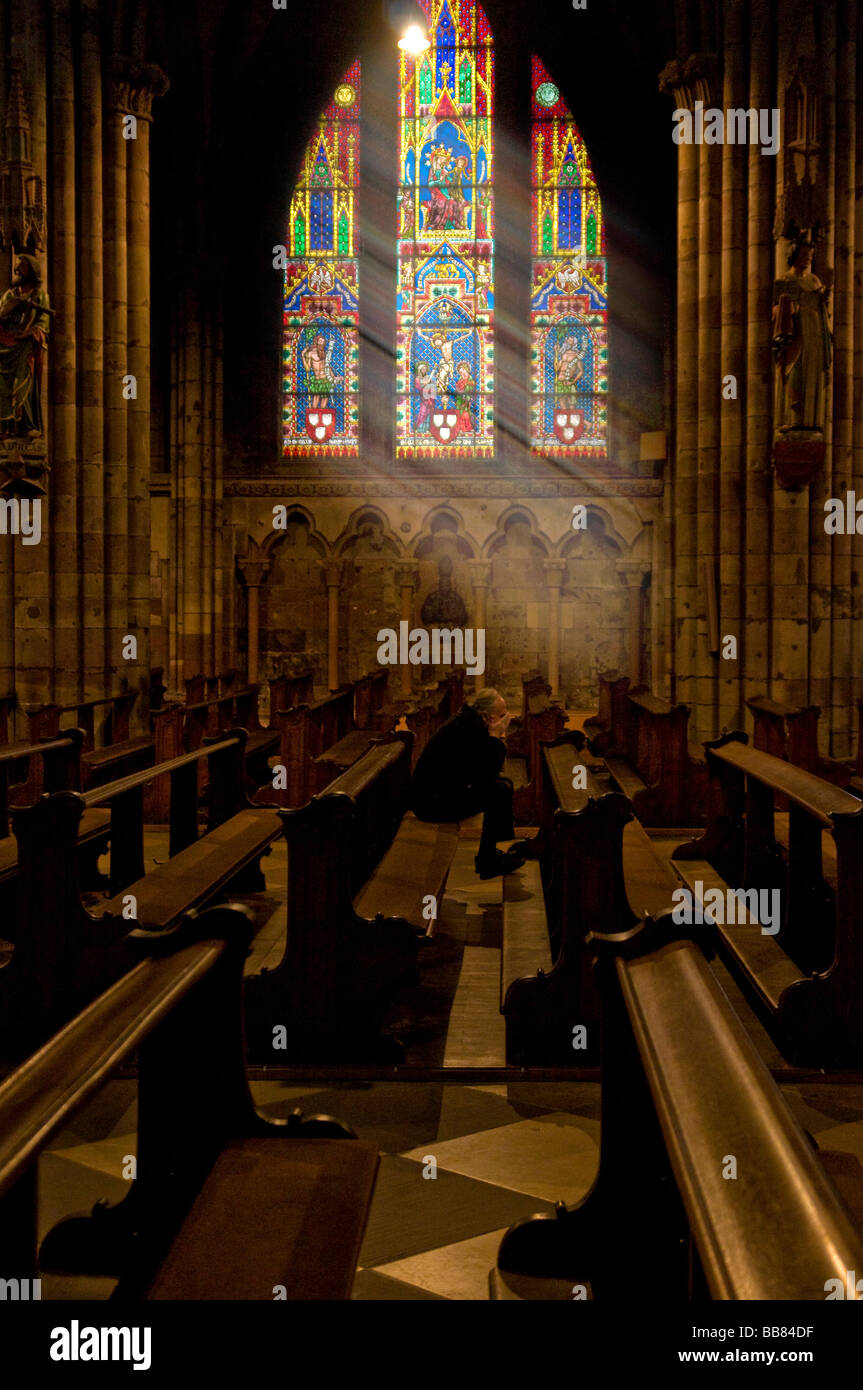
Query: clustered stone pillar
(333, 576)
(554, 572)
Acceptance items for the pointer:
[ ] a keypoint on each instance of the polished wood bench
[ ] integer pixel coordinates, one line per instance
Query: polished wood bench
(226, 1204)
(792, 733)
(804, 980)
(598, 866)
(612, 730)
(541, 725)
(684, 1091)
(64, 953)
(59, 769)
(674, 775)
(358, 871)
(107, 749)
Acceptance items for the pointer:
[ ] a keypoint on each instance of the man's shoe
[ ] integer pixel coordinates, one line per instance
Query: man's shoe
(497, 864)
(528, 848)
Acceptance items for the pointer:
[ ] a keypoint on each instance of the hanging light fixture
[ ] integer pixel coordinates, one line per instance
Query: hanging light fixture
(414, 41)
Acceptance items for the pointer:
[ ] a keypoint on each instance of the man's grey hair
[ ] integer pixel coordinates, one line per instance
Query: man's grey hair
(483, 701)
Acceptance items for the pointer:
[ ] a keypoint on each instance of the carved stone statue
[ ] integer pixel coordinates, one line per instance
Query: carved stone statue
(801, 345)
(443, 607)
(25, 318)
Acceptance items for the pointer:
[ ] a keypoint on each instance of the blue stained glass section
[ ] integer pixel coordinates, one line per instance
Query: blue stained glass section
(569, 218)
(321, 208)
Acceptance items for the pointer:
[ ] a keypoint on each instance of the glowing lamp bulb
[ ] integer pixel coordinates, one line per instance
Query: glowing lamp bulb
(414, 41)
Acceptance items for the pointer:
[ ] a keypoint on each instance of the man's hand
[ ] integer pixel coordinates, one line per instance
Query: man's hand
(498, 727)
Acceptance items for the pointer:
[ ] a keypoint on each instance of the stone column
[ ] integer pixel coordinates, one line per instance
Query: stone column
(632, 575)
(116, 490)
(754, 650)
(99, 665)
(254, 573)
(408, 577)
(554, 572)
(145, 82)
(333, 575)
(732, 461)
(709, 398)
(480, 578)
(684, 467)
(63, 657)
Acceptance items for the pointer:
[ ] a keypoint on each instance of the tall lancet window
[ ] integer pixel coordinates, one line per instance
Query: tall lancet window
(320, 346)
(569, 304)
(445, 306)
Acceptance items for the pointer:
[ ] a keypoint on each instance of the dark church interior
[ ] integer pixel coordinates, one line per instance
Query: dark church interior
(430, 723)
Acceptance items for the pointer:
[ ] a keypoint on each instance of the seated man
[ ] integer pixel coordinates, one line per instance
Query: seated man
(458, 775)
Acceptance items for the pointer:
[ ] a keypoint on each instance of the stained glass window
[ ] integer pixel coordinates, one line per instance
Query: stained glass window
(445, 306)
(320, 345)
(569, 304)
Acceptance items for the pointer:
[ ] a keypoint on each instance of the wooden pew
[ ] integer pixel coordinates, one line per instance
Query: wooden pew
(805, 981)
(371, 720)
(353, 856)
(108, 750)
(298, 1191)
(541, 726)
(287, 691)
(612, 730)
(59, 762)
(305, 733)
(595, 860)
(65, 954)
(535, 697)
(683, 1088)
(666, 780)
(793, 734)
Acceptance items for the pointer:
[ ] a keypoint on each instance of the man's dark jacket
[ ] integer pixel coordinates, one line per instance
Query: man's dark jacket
(456, 769)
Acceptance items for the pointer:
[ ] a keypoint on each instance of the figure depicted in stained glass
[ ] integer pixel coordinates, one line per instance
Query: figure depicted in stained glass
(426, 387)
(320, 379)
(407, 205)
(446, 366)
(568, 367)
(481, 284)
(463, 389)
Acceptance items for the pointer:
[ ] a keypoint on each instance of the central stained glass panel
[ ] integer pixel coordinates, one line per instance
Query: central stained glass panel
(445, 297)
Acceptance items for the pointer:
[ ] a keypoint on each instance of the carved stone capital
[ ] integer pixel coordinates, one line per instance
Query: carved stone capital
(480, 573)
(135, 85)
(408, 575)
(254, 571)
(692, 79)
(554, 572)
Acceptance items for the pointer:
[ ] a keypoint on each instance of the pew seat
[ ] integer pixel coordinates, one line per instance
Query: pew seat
(685, 1090)
(227, 1202)
(199, 872)
(415, 866)
(625, 776)
(118, 759)
(347, 751)
(525, 944)
(300, 1209)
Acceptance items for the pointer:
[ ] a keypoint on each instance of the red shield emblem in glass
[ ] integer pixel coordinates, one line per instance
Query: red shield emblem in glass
(444, 425)
(320, 425)
(568, 425)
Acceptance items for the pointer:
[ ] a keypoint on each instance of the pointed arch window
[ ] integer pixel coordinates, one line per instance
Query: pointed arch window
(445, 298)
(569, 284)
(320, 344)
(445, 305)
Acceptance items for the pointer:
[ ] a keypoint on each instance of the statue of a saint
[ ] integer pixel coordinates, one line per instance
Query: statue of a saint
(801, 345)
(443, 607)
(25, 317)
